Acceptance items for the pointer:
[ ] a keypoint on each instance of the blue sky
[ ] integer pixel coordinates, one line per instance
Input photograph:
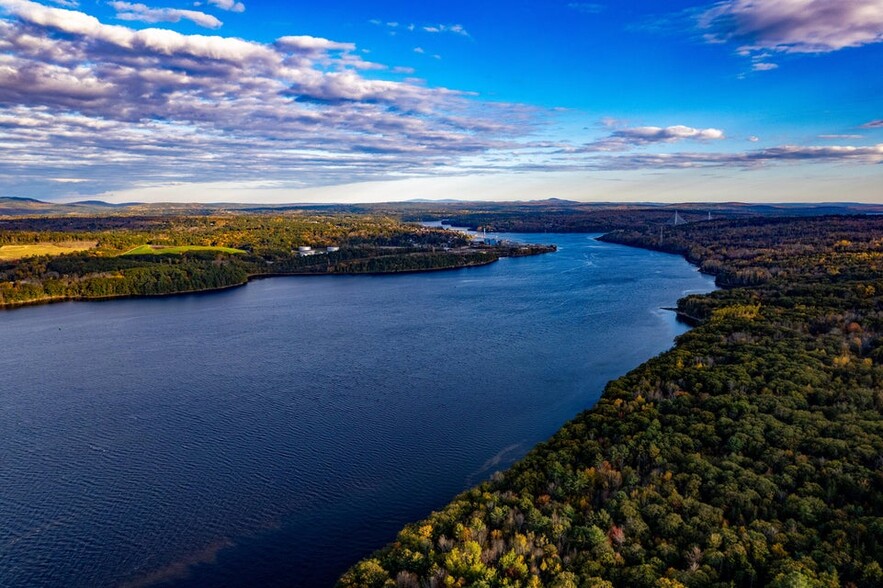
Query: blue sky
(773, 100)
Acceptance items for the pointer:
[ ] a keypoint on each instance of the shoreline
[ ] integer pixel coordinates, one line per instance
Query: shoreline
(688, 319)
(7, 306)
(604, 237)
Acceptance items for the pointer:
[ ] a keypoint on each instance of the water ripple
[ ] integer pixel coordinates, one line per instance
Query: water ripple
(273, 434)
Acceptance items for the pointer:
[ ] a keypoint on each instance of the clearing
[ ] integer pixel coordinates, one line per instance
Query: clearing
(13, 252)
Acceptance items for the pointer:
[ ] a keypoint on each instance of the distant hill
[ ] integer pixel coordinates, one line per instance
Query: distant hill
(14, 206)
(20, 199)
(418, 209)
(96, 203)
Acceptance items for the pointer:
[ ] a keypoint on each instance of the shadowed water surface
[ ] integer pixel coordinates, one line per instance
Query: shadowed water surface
(274, 434)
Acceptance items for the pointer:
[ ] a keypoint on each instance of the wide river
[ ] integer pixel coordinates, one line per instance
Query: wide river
(272, 435)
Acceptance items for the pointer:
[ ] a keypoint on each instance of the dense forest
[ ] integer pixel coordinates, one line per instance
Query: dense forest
(189, 253)
(563, 216)
(751, 454)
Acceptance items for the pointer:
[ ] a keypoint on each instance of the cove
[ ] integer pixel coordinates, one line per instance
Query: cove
(276, 433)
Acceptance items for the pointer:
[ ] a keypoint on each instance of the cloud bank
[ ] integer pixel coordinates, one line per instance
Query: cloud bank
(89, 107)
(78, 93)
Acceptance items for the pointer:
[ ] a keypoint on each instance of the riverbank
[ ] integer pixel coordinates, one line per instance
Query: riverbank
(702, 466)
(466, 258)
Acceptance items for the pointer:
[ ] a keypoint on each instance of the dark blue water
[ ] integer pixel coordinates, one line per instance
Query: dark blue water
(274, 434)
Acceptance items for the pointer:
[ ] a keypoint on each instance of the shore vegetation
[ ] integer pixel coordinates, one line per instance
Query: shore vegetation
(54, 258)
(751, 454)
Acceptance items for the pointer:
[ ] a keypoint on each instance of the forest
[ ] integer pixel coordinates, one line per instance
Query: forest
(751, 454)
(148, 255)
(565, 216)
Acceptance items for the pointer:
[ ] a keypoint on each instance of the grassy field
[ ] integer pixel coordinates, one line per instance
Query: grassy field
(177, 250)
(13, 252)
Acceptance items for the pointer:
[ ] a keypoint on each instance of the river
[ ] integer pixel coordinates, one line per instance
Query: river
(274, 434)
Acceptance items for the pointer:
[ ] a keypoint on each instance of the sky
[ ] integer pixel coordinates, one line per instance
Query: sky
(353, 101)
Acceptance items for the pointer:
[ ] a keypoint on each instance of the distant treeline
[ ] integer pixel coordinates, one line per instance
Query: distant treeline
(749, 455)
(561, 216)
(579, 220)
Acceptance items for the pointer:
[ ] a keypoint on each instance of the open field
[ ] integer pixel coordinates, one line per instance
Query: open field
(177, 250)
(13, 252)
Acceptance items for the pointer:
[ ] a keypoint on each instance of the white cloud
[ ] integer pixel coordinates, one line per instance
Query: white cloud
(230, 5)
(843, 137)
(442, 28)
(794, 26)
(871, 155)
(748, 159)
(310, 44)
(153, 40)
(456, 29)
(873, 124)
(143, 13)
(668, 134)
(626, 138)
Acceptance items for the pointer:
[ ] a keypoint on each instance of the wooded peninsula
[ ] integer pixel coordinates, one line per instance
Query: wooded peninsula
(751, 454)
(54, 258)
